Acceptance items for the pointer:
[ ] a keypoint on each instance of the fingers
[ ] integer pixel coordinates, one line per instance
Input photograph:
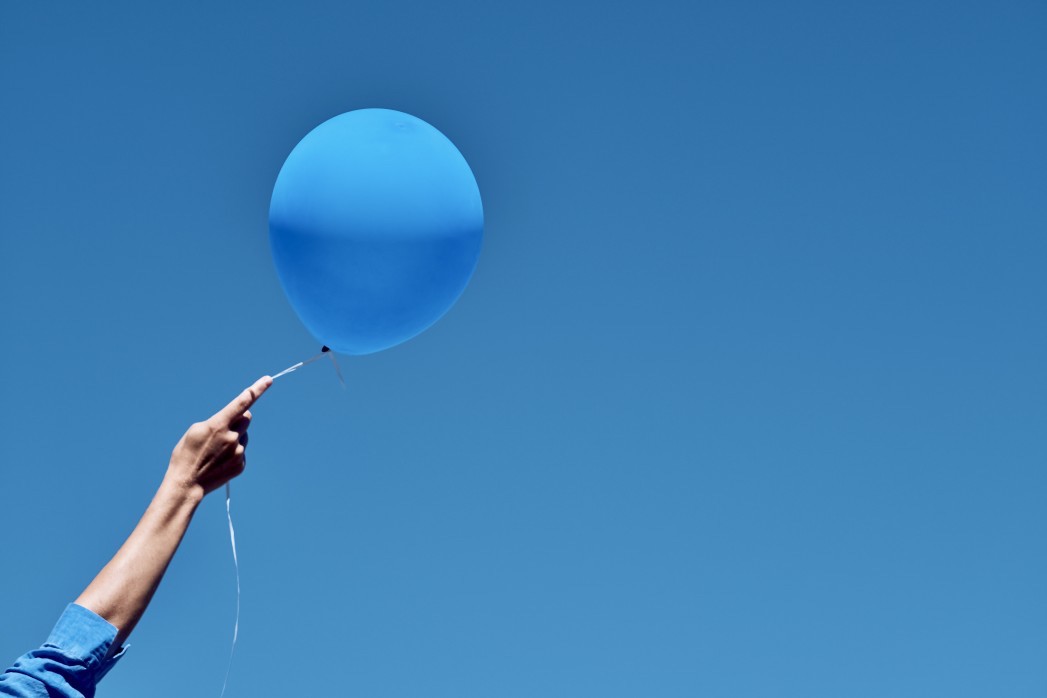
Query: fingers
(241, 403)
(237, 432)
(235, 460)
(241, 423)
(213, 452)
(239, 429)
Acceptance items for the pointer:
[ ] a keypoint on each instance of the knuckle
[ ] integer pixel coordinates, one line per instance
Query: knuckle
(197, 431)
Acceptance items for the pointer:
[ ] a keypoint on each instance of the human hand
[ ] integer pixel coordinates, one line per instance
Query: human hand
(211, 453)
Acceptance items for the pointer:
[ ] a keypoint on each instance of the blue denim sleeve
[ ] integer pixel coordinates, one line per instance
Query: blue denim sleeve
(69, 664)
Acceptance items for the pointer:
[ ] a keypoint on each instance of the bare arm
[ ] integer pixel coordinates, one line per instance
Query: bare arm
(209, 454)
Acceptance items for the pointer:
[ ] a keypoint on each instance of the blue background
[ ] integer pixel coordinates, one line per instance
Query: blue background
(746, 397)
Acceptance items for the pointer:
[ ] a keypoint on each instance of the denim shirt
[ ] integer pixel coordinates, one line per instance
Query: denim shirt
(69, 664)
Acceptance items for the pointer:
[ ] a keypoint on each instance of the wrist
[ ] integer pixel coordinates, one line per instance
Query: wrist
(181, 490)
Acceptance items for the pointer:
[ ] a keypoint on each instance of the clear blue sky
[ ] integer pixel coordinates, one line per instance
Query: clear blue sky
(746, 397)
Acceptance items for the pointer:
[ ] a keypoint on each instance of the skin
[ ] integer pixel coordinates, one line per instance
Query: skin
(210, 454)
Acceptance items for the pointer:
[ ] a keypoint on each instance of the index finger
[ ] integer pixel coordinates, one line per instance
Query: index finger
(242, 402)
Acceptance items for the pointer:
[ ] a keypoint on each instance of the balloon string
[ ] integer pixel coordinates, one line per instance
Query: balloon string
(337, 370)
(229, 511)
(324, 350)
(236, 564)
(292, 369)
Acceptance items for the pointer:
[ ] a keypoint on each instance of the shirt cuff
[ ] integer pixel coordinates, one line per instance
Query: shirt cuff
(84, 634)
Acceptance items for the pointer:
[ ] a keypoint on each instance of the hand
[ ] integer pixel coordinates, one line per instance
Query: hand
(211, 453)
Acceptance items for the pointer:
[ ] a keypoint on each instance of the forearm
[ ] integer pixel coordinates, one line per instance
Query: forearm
(123, 589)
(208, 455)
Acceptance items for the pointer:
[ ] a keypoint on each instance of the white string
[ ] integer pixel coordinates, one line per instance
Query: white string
(292, 369)
(336, 369)
(229, 514)
(236, 564)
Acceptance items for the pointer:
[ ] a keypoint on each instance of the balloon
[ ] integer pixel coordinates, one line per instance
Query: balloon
(375, 227)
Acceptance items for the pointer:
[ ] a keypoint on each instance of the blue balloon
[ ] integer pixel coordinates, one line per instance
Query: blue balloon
(375, 227)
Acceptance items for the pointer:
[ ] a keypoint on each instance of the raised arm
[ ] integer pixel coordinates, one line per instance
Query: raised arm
(209, 454)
